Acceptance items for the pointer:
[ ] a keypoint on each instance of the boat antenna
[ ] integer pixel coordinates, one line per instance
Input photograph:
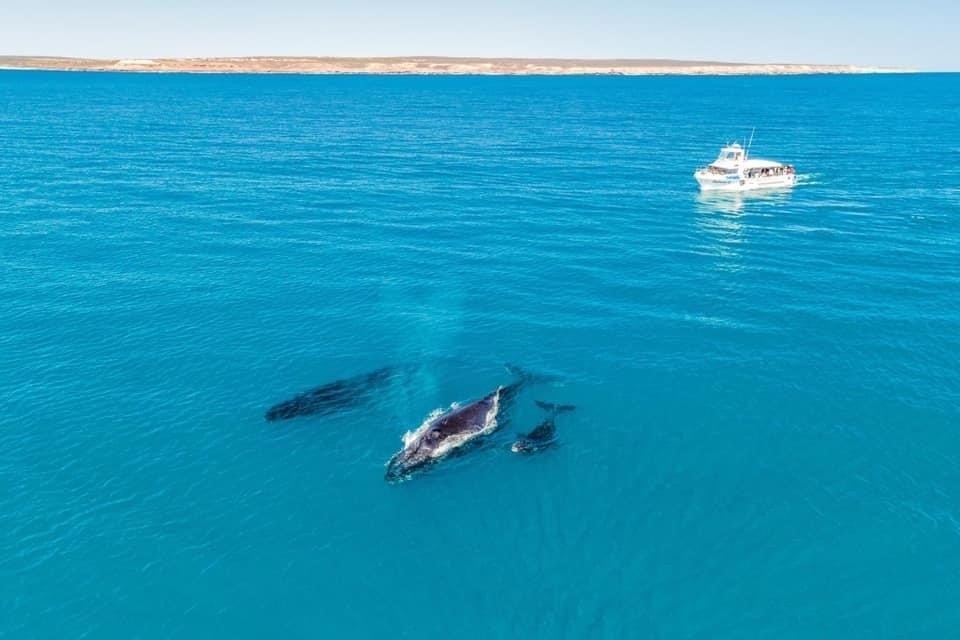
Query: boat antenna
(747, 152)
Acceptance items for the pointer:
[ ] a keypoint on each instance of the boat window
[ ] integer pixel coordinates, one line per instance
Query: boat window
(732, 155)
(723, 170)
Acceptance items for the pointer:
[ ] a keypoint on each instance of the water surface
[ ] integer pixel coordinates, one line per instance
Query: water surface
(765, 443)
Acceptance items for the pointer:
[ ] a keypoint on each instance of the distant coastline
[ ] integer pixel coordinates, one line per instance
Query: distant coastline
(427, 65)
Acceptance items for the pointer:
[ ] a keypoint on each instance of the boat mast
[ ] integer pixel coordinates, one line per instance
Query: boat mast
(747, 152)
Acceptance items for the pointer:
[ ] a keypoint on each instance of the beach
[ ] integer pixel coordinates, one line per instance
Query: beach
(427, 65)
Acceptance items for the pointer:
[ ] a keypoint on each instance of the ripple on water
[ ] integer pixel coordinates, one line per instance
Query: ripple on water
(765, 383)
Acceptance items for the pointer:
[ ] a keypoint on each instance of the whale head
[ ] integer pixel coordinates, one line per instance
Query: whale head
(405, 462)
(523, 445)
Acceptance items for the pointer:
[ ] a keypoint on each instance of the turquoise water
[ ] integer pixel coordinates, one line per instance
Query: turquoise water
(766, 438)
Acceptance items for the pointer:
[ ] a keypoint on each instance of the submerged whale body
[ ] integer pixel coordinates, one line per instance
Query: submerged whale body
(332, 397)
(544, 435)
(449, 432)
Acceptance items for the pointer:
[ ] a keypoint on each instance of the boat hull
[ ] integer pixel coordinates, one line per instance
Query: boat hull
(712, 182)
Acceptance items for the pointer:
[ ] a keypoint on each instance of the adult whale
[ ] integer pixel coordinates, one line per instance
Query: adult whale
(544, 435)
(334, 396)
(445, 433)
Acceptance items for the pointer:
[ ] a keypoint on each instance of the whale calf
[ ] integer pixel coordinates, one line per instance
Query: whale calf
(544, 435)
(450, 431)
(334, 396)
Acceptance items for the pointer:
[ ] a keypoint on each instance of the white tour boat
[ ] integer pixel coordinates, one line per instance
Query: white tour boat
(734, 170)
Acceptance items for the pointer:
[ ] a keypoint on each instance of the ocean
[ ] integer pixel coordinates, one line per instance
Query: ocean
(766, 441)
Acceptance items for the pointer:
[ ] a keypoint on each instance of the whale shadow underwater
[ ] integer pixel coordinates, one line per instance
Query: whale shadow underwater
(337, 396)
(456, 430)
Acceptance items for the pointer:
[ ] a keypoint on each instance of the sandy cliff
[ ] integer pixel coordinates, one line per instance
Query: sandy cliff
(421, 65)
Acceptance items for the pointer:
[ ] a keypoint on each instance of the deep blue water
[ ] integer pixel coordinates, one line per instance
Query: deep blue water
(767, 435)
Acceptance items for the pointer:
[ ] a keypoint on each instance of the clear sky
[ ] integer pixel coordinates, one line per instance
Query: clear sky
(922, 34)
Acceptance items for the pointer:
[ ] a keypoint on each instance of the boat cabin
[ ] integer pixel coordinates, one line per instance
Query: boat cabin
(729, 160)
(731, 154)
